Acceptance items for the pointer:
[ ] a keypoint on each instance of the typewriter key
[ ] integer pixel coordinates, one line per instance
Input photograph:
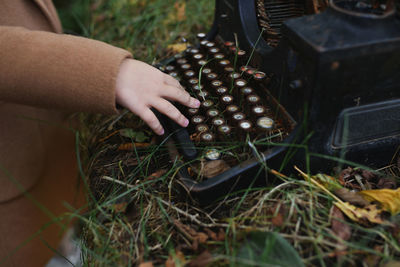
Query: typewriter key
(259, 77)
(213, 50)
(257, 111)
(207, 137)
(207, 104)
(203, 94)
(265, 123)
(216, 83)
(211, 76)
(206, 71)
(193, 51)
(237, 117)
(212, 113)
(185, 67)
(223, 63)
(200, 63)
(174, 74)
(210, 44)
(201, 35)
(224, 132)
(178, 56)
(219, 56)
(226, 100)
(212, 154)
(229, 44)
(241, 57)
(231, 109)
(197, 119)
(221, 90)
(240, 83)
(200, 128)
(253, 100)
(245, 127)
(194, 81)
(181, 61)
(193, 111)
(189, 74)
(198, 56)
(169, 68)
(234, 75)
(197, 87)
(203, 42)
(217, 122)
(246, 91)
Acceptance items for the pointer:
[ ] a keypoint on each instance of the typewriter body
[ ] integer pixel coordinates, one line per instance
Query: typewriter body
(327, 77)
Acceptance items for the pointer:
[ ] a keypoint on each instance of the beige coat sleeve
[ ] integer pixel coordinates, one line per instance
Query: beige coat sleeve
(58, 71)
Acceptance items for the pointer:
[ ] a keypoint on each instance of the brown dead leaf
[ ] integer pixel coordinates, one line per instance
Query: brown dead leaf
(365, 216)
(339, 227)
(157, 174)
(180, 11)
(202, 260)
(177, 48)
(221, 235)
(176, 259)
(352, 197)
(146, 264)
(389, 199)
(132, 146)
(211, 168)
(120, 207)
(212, 235)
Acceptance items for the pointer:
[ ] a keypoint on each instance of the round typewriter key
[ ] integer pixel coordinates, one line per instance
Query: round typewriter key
(217, 122)
(193, 111)
(197, 87)
(181, 61)
(247, 91)
(229, 43)
(210, 44)
(231, 109)
(226, 100)
(177, 56)
(265, 123)
(194, 81)
(259, 76)
(240, 83)
(245, 125)
(232, 50)
(200, 128)
(237, 117)
(169, 68)
(201, 63)
(189, 74)
(224, 63)
(241, 53)
(214, 50)
(203, 42)
(185, 67)
(234, 75)
(207, 104)
(250, 72)
(203, 94)
(211, 76)
(198, 56)
(207, 137)
(197, 119)
(258, 111)
(194, 51)
(206, 71)
(212, 113)
(216, 83)
(229, 70)
(253, 100)
(219, 56)
(224, 131)
(221, 90)
(201, 35)
(173, 74)
(212, 154)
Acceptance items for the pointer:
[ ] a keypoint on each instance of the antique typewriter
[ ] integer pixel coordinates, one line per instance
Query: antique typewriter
(312, 83)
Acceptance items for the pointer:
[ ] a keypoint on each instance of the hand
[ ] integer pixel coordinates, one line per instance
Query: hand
(141, 86)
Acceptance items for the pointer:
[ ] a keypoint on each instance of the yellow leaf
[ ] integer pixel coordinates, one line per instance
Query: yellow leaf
(177, 48)
(361, 215)
(180, 11)
(388, 198)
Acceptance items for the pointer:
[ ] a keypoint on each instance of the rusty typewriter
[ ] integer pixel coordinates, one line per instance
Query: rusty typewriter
(303, 82)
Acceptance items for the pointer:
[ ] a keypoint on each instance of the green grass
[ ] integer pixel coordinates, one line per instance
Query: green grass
(135, 218)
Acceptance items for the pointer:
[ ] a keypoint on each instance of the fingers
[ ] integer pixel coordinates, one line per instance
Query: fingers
(171, 111)
(169, 80)
(181, 96)
(150, 119)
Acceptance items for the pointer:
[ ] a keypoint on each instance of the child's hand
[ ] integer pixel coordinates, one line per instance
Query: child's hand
(141, 86)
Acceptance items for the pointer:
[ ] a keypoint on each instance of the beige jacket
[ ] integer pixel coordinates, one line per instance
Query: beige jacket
(45, 75)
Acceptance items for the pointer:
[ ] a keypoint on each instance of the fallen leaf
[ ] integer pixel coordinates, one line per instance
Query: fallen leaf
(364, 216)
(146, 264)
(137, 136)
(211, 168)
(177, 48)
(120, 207)
(175, 259)
(339, 226)
(156, 174)
(203, 259)
(389, 199)
(352, 197)
(180, 11)
(132, 146)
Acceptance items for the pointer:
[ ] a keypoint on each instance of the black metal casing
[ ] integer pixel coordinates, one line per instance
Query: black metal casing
(338, 71)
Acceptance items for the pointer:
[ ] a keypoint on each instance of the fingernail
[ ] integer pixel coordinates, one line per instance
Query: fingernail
(186, 123)
(161, 132)
(197, 103)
